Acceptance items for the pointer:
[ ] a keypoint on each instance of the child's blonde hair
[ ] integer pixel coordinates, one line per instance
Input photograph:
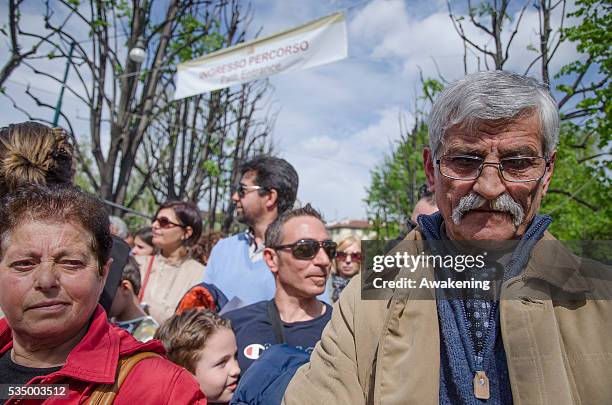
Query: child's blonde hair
(185, 335)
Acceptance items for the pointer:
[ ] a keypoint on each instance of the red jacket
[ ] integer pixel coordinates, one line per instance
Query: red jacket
(94, 359)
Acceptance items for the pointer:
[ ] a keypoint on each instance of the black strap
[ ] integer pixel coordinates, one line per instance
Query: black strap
(277, 324)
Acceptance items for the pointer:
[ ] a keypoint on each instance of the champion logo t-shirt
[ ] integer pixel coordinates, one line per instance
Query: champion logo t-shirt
(254, 333)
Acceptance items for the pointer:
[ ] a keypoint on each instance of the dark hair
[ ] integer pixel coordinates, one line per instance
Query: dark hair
(201, 250)
(58, 205)
(424, 192)
(188, 214)
(131, 273)
(274, 233)
(184, 335)
(31, 152)
(274, 173)
(146, 234)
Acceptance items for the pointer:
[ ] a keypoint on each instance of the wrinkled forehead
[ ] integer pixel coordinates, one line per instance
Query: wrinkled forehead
(517, 134)
(29, 232)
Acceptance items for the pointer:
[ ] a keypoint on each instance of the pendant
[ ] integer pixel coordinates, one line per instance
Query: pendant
(481, 385)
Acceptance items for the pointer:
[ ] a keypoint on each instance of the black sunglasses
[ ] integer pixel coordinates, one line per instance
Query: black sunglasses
(355, 257)
(166, 223)
(243, 189)
(306, 249)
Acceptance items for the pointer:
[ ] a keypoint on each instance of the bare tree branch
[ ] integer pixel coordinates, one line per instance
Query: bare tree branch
(573, 197)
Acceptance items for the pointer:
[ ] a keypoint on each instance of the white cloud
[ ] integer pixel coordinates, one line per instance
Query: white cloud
(334, 172)
(320, 146)
(390, 30)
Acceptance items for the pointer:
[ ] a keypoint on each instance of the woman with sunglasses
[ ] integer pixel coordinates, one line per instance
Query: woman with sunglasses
(170, 273)
(346, 265)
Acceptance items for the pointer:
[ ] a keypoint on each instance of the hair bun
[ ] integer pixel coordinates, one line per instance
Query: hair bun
(18, 167)
(31, 152)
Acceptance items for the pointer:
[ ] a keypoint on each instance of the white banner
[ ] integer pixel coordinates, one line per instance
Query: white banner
(313, 44)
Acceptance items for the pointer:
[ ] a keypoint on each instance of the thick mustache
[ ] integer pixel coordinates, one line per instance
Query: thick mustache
(503, 203)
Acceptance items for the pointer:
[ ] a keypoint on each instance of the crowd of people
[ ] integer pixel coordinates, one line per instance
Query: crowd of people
(80, 294)
(273, 314)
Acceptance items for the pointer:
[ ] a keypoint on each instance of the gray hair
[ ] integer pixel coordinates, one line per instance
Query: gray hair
(118, 227)
(493, 95)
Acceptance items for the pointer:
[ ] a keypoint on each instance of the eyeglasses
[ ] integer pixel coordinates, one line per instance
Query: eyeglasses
(243, 189)
(165, 223)
(355, 257)
(520, 169)
(306, 249)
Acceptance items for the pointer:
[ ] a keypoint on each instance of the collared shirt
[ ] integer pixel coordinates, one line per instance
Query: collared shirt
(237, 268)
(255, 250)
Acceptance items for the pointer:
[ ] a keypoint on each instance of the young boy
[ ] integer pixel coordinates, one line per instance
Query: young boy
(205, 345)
(125, 311)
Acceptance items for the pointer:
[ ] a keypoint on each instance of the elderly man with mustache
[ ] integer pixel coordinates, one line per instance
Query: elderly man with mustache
(490, 162)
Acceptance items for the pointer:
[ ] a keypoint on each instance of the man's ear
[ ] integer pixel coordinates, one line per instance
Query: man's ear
(272, 198)
(430, 168)
(271, 258)
(548, 176)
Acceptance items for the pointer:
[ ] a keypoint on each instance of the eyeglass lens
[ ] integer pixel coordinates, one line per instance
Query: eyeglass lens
(512, 169)
(239, 190)
(355, 257)
(164, 222)
(307, 249)
(242, 189)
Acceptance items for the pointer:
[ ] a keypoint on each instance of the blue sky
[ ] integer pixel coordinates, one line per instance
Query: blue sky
(337, 121)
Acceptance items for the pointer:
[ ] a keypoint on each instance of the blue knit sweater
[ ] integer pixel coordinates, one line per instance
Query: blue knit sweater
(460, 357)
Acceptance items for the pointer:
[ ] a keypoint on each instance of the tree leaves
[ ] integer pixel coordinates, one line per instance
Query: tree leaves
(580, 192)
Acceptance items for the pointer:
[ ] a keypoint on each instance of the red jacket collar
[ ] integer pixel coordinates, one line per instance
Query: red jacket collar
(95, 357)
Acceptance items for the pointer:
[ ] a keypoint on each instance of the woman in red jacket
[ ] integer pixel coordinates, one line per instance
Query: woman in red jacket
(54, 258)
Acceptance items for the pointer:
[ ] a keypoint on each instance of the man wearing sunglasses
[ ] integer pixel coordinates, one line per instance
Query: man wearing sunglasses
(299, 254)
(268, 187)
(543, 338)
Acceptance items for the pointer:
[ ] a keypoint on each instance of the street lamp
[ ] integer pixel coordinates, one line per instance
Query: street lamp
(137, 53)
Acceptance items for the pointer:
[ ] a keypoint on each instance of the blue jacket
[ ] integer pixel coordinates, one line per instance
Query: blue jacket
(267, 379)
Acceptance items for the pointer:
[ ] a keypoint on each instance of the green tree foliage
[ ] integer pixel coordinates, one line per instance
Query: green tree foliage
(579, 195)
(393, 191)
(592, 36)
